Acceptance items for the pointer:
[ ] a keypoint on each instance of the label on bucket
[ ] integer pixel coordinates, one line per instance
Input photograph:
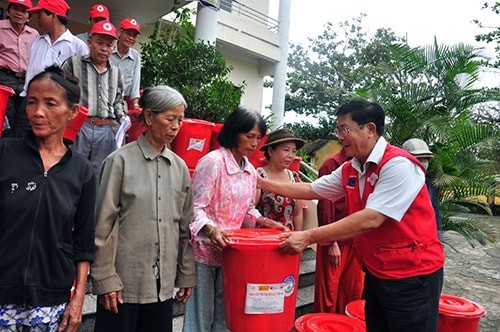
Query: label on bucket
(265, 298)
(196, 144)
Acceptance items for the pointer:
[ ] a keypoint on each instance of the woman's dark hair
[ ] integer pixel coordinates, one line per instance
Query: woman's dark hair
(65, 80)
(240, 121)
(363, 111)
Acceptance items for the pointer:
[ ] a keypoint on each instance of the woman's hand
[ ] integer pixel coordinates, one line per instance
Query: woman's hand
(216, 237)
(269, 223)
(72, 316)
(183, 294)
(334, 254)
(110, 300)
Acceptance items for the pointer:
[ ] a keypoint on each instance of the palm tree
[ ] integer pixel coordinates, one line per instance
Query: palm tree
(431, 95)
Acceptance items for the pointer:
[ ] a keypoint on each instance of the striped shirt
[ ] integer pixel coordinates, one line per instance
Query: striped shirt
(101, 93)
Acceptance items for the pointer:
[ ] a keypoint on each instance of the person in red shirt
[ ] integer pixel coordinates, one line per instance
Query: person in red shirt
(15, 42)
(339, 275)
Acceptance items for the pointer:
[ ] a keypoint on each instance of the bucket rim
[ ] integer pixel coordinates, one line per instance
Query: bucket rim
(456, 306)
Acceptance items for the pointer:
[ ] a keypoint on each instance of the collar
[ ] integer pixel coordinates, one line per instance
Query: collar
(67, 36)
(86, 58)
(232, 166)
(127, 54)
(149, 153)
(30, 141)
(375, 156)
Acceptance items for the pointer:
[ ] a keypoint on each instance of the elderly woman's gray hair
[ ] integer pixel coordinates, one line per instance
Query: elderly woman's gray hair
(161, 98)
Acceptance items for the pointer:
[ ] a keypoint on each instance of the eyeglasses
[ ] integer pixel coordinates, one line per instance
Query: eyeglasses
(344, 130)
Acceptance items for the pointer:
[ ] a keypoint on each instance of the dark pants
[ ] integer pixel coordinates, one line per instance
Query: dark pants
(14, 106)
(131, 317)
(403, 305)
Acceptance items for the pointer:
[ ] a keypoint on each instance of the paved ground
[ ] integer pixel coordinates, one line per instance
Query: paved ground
(471, 273)
(474, 274)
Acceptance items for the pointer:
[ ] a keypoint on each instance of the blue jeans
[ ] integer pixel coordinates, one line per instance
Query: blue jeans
(403, 305)
(204, 310)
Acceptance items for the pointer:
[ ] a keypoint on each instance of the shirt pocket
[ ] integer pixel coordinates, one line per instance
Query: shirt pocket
(179, 198)
(397, 256)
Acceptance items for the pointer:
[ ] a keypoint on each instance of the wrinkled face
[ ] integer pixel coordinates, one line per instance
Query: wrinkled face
(47, 108)
(17, 14)
(100, 48)
(247, 142)
(283, 155)
(127, 37)
(163, 127)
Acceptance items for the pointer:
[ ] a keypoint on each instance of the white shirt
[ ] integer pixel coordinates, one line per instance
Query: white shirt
(399, 182)
(44, 54)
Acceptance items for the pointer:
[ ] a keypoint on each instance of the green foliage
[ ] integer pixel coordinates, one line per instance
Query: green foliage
(197, 70)
(493, 35)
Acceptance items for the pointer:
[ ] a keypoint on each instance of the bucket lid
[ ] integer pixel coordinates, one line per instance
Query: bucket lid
(450, 305)
(7, 89)
(356, 309)
(253, 236)
(323, 322)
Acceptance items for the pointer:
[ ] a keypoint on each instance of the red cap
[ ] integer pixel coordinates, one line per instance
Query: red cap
(99, 10)
(130, 23)
(25, 3)
(104, 28)
(59, 7)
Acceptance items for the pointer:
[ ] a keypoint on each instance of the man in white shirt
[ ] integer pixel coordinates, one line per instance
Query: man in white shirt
(53, 47)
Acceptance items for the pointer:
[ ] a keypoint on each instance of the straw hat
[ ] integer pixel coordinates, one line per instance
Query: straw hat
(280, 136)
(417, 148)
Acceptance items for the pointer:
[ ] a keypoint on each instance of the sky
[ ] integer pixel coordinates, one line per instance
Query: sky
(450, 21)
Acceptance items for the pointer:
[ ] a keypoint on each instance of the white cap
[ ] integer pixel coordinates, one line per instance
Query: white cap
(417, 148)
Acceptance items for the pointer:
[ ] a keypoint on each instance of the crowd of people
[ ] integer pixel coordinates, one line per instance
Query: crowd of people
(133, 221)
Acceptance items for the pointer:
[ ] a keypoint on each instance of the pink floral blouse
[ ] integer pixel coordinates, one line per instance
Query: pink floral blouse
(224, 197)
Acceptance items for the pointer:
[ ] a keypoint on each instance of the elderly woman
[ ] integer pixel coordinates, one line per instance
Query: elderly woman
(279, 151)
(47, 202)
(224, 184)
(142, 233)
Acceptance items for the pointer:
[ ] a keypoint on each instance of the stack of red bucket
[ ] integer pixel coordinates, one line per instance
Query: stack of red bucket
(455, 313)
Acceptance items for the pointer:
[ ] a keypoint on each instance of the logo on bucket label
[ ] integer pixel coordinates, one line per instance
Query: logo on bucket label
(289, 284)
(196, 144)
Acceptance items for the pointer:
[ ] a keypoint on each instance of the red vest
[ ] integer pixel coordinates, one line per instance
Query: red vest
(401, 249)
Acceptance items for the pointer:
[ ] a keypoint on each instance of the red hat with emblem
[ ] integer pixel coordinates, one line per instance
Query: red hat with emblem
(25, 3)
(99, 10)
(59, 7)
(104, 28)
(130, 23)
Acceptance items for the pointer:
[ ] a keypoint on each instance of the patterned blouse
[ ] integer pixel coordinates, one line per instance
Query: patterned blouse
(224, 195)
(277, 207)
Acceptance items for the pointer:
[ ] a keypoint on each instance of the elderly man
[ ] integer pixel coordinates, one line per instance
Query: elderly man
(128, 60)
(391, 221)
(98, 13)
(15, 42)
(101, 86)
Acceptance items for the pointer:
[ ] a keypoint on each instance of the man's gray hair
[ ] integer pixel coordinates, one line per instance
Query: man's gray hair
(161, 98)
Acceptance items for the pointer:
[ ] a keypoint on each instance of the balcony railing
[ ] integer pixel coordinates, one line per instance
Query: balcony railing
(243, 10)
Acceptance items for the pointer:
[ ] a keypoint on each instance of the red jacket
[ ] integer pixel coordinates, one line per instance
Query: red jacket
(395, 250)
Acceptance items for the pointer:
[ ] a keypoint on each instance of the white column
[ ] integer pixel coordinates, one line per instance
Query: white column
(278, 106)
(206, 24)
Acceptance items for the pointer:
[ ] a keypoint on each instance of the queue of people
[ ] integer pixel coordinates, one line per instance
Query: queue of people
(135, 222)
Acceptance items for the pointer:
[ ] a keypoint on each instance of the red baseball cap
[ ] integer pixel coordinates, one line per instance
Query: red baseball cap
(59, 7)
(99, 10)
(104, 28)
(25, 3)
(130, 23)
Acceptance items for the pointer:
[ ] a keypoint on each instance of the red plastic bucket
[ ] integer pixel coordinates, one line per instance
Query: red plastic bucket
(458, 314)
(214, 143)
(74, 125)
(193, 140)
(356, 309)
(260, 282)
(5, 93)
(328, 322)
(295, 165)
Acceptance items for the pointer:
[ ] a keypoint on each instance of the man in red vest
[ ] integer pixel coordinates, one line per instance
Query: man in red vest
(391, 221)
